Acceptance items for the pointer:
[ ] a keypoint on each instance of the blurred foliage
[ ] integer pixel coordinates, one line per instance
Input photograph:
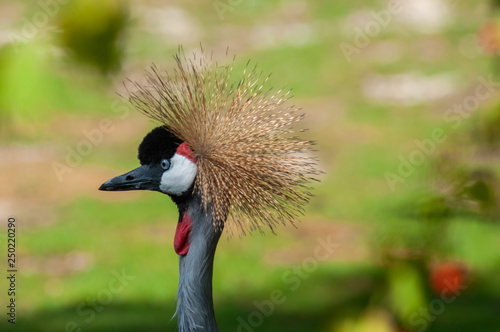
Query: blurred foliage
(406, 292)
(36, 83)
(486, 130)
(93, 32)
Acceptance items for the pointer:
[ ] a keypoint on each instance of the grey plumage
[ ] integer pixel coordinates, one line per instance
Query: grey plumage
(194, 297)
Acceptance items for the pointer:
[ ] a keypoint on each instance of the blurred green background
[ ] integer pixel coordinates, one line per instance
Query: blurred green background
(402, 99)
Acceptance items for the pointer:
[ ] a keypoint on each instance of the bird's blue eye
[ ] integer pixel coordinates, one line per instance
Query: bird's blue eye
(165, 164)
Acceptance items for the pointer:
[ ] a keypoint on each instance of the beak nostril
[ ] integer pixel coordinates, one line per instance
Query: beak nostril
(129, 178)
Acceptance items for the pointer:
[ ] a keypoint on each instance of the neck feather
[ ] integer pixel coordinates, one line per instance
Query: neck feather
(195, 309)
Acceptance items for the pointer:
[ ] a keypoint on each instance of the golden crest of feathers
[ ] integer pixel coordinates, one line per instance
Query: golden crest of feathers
(252, 170)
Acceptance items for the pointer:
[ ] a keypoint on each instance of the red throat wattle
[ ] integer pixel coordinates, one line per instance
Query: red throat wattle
(181, 239)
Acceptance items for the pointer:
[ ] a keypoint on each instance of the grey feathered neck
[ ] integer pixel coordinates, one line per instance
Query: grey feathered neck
(195, 309)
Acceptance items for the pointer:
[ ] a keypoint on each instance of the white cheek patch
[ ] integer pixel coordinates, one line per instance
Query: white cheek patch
(179, 177)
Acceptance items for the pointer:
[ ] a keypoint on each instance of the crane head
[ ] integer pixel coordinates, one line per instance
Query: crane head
(233, 144)
(167, 165)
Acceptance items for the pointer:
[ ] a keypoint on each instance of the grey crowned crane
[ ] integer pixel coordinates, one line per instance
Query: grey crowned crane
(227, 154)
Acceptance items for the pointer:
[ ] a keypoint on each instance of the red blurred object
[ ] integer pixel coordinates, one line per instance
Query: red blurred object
(489, 38)
(448, 279)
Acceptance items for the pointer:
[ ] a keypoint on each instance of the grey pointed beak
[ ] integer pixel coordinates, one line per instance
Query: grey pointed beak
(141, 178)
